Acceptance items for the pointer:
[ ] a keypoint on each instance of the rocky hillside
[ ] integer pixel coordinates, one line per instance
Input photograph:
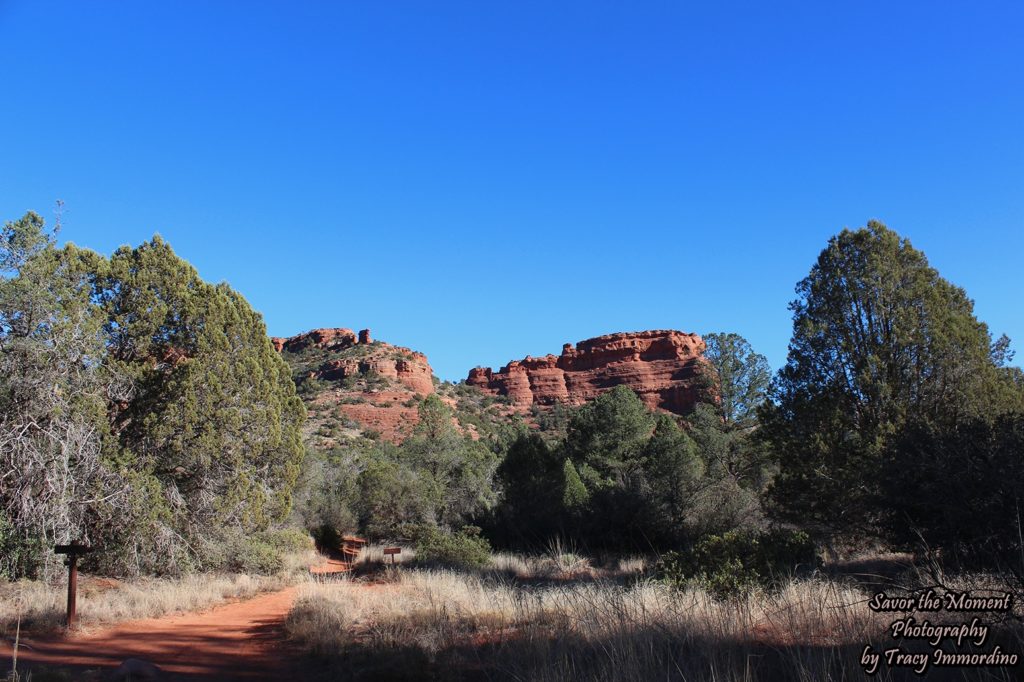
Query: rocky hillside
(661, 366)
(354, 385)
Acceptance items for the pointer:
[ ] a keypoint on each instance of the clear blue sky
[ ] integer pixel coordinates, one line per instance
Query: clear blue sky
(482, 181)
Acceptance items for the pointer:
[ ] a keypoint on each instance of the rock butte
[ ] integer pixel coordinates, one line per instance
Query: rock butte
(661, 366)
(383, 410)
(391, 362)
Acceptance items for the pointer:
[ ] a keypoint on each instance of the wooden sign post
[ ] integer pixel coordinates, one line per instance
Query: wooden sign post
(392, 551)
(74, 550)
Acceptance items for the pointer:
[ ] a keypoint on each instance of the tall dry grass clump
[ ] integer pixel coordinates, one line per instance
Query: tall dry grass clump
(373, 554)
(562, 562)
(454, 624)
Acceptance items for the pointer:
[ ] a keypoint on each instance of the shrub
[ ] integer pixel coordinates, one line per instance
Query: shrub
(19, 557)
(311, 386)
(234, 551)
(735, 562)
(464, 549)
(289, 540)
(255, 556)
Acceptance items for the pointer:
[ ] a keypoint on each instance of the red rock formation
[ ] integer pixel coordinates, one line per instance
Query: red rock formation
(333, 355)
(326, 339)
(384, 411)
(661, 366)
(391, 362)
(400, 364)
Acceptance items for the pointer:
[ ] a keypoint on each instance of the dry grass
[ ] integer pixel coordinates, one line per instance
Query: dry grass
(42, 606)
(632, 565)
(459, 626)
(564, 566)
(374, 554)
(562, 563)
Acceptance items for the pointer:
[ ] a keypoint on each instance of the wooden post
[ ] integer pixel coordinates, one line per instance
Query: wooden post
(72, 588)
(74, 550)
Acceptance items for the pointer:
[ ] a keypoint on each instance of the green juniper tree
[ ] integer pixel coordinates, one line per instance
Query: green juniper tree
(879, 340)
(436, 477)
(724, 427)
(606, 438)
(673, 478)
(215, 417)
(143, 409)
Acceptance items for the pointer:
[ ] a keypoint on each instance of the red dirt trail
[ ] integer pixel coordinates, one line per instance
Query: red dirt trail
(242, 640)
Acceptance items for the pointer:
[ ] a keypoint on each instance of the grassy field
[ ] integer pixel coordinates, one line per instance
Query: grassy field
(520, 619)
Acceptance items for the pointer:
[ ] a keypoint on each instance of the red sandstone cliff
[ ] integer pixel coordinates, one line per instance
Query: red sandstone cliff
(661, 366)
(390, 362)
(372, 383)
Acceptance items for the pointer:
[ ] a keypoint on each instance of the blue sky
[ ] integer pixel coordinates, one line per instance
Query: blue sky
(483, 181)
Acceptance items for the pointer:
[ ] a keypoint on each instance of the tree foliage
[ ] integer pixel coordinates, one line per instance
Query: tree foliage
(606, 438)
(144, 409)
(623, 478)
(438, 477)
(740, 378)
(978, 464)
(879, 339)
(53, 395)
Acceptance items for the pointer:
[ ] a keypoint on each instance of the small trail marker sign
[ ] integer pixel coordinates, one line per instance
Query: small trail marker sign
(74, 550)
(392, 551)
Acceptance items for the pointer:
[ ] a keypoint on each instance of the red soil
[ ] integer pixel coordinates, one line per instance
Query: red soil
(243, 640)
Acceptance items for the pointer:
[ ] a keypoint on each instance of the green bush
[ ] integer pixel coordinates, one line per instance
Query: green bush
(255, 556)
(288, 540)
(462, 549)
(310, 386)
(235, 552)
(733, 563)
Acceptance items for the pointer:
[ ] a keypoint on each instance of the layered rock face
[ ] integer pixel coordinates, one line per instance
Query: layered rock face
(390, 362)
(661, 366)
(372, 383)
(323, 339)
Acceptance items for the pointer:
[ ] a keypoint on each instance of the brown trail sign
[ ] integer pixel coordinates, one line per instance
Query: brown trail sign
(392, 551)
(74, 550)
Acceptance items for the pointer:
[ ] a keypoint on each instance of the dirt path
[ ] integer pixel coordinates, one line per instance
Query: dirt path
(237, 641)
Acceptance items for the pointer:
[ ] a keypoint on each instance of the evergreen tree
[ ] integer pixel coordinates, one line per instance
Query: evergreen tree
(574, 493)
(530, 480)
(878, 337)
(607, 436)
(739, 377)
(142, 409)
(459, 469)
(215, 416)
(673, 472)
